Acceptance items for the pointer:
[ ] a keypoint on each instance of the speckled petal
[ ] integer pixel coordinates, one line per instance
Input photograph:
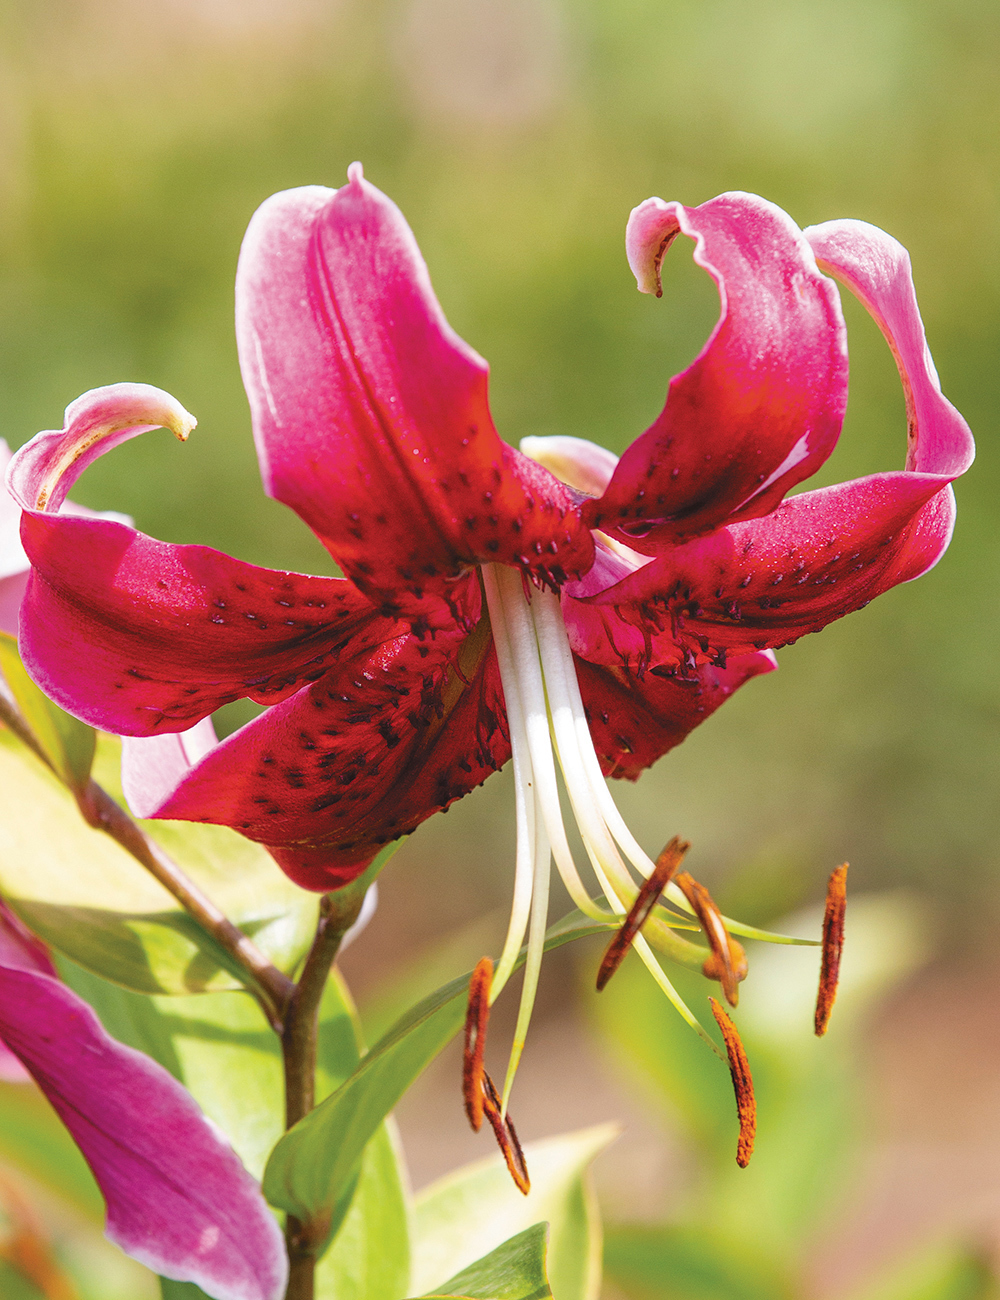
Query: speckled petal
(139, 636)
(820, 555)
(353, 761)
(761, 407)
(635, 720)
(370, 413)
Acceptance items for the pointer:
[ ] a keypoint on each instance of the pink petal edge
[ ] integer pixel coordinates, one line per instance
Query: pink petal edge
(178, 1198)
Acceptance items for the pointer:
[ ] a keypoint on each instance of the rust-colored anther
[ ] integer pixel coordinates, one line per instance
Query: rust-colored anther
(666, 864)
(739, 1069)
(727, 961)
(833, 946)
(476, 1019)
(506, 1136)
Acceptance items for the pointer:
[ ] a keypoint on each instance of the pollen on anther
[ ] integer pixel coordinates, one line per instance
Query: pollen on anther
(739, 1070)
(833, 946)
(476, 1019)
(506, 1136)
(727, 960)
(648, 896)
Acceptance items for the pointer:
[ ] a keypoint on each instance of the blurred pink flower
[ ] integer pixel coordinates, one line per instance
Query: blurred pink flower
(178, 1198)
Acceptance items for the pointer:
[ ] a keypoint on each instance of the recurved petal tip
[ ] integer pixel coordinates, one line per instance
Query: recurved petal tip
(650, 230)
(42, 472)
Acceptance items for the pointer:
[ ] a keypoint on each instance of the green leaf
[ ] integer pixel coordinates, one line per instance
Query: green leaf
(472, 1210)
(170, 1290)
(221, 1048)
(671, 1263)
(313, 1161)
(514, 1271)
(67, 743)
(370, 1255)
(91, 901)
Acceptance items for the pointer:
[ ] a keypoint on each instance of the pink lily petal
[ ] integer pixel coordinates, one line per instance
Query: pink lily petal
(178, 1198)
(153, 766)
(582, 464)
(173, 632)
(353, 761)
(634, 721)
(21, 950)
(12, 589)
(876, 268)
(14, 564)
(370, 413)
(822, 554)
(761, 408)
(45, 469)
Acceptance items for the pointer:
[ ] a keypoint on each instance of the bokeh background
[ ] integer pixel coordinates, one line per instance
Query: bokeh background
(136, 140)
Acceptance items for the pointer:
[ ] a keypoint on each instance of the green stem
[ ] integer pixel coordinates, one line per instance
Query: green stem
(270, 986)
(337, 913)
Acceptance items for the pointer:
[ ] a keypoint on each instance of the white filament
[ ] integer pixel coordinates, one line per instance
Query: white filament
(546, 718)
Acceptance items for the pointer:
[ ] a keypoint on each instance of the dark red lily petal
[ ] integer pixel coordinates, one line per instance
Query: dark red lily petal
(371, 414)
(178, 1198)
(820, 555)
(355, 760)
(766, 582)
(635, 720)
(139, 636)
(761, 408)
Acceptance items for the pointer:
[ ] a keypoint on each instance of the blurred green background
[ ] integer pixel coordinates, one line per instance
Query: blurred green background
(137, 138)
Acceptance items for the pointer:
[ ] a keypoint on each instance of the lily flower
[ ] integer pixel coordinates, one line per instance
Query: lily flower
(178, 1198)
(552, 604)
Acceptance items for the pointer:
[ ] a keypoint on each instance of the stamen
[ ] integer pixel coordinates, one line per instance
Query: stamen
(476, 1019)
(517, 656)
(833, 946)
(533, 959)
(525, 797)
(739, 1069)
(666, 864)
(727, 962)
(506, 1136)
